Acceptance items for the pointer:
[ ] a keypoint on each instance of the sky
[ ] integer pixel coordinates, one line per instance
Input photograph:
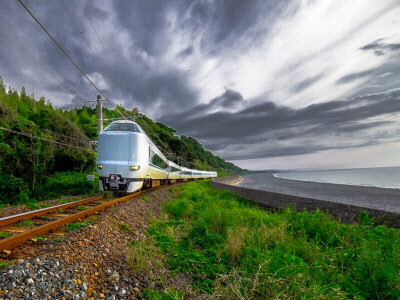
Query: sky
(267, 84)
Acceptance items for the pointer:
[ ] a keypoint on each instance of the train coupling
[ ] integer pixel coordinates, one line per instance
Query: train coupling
(114, 181)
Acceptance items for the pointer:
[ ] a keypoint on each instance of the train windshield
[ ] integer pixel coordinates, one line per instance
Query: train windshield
(122, 127)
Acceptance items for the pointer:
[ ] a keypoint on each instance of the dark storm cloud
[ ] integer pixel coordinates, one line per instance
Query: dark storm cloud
(129, 80)
(261, 128)
(43, 54)
(378, 47)
(186, 52)
(137, 34)
(354, 76)
(228, 99)
(302, 85)
(135, 73)
(378, 79)
(95, 12)
(220, 26)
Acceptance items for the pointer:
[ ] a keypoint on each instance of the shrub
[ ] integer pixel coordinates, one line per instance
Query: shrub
(65, 184)
(13, 190)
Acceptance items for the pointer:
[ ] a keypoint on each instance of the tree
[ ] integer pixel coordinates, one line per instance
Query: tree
(2, 85)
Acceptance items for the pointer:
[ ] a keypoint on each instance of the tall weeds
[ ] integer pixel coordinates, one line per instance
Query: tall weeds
(234, 250)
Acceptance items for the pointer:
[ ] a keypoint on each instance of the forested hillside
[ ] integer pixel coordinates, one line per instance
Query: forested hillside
(45, 152)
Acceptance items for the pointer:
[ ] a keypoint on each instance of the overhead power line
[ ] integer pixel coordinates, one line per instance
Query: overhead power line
(37, 57)
(83, 36)
(66, 54)
(105, 50)
(61, 48)
(91, 23)
(46, 130)
(42, 139)
(83, 73)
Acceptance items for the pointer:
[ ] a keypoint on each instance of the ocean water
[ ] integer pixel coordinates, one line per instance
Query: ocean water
(388, 177)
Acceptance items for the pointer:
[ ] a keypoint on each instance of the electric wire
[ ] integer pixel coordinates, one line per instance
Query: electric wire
(42, 139)
(105, 50)
(66, 54)
(83, 73)
(46, 130)
(61, 48)
(83, 36)
(37, 57)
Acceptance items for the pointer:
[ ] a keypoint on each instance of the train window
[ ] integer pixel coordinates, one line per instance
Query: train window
(122, 127)
(173, 169)
(158, 161)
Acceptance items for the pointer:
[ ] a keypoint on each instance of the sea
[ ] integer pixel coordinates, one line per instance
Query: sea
(387, 177)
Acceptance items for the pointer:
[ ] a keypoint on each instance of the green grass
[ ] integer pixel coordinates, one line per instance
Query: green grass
(91, 219)
(145, 199)
(35, 205)
(232, 249)
(5, 234)
(6, 263)
(75, 226)
(26, 223)
(81, 207)
(143, 259)
(40, 238)
(63, 201)
(124, 227)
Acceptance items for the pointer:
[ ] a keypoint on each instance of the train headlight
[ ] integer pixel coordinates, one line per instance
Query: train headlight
(134, 168)
(99, 166)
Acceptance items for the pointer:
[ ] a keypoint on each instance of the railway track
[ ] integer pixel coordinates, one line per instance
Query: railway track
(54, 218)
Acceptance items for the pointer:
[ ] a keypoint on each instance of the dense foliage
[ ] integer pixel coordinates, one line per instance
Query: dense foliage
(26, 163)
(33, 169)
(234, 250)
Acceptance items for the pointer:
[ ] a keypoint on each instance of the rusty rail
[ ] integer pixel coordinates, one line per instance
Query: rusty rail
(44, 211)
(19, 239)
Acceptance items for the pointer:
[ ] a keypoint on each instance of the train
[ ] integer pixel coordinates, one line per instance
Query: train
(128, 161)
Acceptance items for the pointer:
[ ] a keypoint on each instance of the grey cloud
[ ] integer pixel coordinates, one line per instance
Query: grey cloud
(267, 124)
(185, 52)
(302, 85)
(379, 47)
(355, 76)
(138, 77)
(225, 23)
(228, 99)
(96, 12)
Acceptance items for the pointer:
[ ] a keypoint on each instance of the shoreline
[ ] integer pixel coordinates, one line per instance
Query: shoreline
(347, 177)
(355, 185)
(385, 199)
(338, 199)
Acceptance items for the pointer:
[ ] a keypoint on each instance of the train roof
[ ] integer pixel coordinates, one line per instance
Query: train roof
(123, 121)
(124, 125)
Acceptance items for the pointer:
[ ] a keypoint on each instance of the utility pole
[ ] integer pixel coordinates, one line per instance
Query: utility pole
(99, 106)
(99, 114)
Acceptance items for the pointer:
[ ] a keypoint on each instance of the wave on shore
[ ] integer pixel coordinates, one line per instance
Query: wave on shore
(373, 177)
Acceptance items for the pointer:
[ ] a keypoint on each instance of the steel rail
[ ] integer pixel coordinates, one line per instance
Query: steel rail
(40, 212)
(19, 239)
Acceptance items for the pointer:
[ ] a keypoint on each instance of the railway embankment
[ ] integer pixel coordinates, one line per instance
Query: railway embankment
(88, 263)
(345, 213)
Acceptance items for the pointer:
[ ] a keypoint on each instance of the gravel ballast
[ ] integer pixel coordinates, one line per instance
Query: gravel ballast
(90, 263)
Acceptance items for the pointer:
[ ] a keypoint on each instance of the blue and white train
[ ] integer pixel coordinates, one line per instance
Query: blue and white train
(128, 161)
